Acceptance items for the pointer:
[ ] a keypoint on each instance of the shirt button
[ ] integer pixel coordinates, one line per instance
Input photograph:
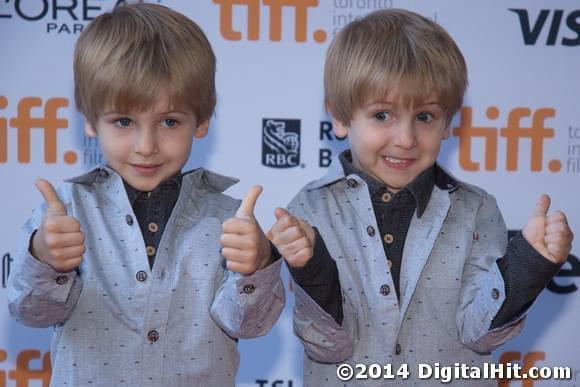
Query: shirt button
(249, 289)
(141, 276)
(494, 293)
(153, 227)
(390, 263)
(150, 251)
(388, 238)
(371, 231)
(129, 220)
(385, 290)
(398, 349)
(352, 183)
(153, 336)
(386, 197)
(61, 279)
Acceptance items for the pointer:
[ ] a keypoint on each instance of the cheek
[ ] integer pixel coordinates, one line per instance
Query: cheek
(179, 147)
(115, 147)
(368, 143)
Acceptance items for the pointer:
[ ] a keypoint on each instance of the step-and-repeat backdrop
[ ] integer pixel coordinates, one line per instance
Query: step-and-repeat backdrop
(518, 136)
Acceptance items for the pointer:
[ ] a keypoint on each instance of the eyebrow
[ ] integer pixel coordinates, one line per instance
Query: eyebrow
(391, 103)
(116, 113)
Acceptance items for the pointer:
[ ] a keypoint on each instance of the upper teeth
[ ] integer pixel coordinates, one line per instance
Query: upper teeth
(392, 160)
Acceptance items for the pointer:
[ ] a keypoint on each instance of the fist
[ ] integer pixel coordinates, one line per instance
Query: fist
(549, 235)
(244, 245)
(293, 238)
(59, 241)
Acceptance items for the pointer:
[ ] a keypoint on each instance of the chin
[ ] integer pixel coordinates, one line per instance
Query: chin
(144, 187)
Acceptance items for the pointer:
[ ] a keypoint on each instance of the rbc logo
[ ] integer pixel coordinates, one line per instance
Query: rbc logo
(280, 143)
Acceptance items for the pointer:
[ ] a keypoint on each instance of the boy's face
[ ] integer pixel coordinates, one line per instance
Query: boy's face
(393, 143)
(147, 147)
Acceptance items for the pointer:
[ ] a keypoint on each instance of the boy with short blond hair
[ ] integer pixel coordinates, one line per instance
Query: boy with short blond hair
(397, 263)
(149, 275)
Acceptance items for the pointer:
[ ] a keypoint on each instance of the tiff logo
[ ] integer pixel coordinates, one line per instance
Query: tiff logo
(24, 372)
(48, 122)
(537, 133)
(280, 143)
(275, 7)
(532, 33)
(529, 360)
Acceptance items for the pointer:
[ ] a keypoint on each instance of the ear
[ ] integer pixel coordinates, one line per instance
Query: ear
(339, 128)
(90, 130)
(447, 131)
(202, 129)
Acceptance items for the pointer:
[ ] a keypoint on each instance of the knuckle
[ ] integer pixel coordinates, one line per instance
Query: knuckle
(51, 225)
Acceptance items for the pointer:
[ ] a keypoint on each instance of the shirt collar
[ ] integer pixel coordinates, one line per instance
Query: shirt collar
(419, 189)
(336, 172)
(169, 186)
(200, 178)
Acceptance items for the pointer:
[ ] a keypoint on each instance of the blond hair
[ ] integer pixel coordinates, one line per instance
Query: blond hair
(390, 51)
(126, 58)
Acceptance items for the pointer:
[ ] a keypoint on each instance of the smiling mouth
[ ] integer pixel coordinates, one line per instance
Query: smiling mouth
(146, 168)
(397, 163)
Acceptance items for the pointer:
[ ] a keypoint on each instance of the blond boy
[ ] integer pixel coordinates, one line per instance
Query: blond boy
(404, 265)
(148, 275)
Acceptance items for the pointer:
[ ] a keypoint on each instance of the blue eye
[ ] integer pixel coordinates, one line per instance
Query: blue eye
(169, 122)
(382, 116)
(123, 122)
(425, 117)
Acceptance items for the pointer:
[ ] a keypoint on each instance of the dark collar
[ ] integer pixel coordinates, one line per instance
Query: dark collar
(419, 189)
(168, 186)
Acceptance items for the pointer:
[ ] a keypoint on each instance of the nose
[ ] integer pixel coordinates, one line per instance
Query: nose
(406, 135)
(146, 142)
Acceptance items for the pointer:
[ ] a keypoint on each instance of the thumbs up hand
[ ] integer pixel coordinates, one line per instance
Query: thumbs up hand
(293, 238)
(549, 235)
(59, 241)
(244, 245)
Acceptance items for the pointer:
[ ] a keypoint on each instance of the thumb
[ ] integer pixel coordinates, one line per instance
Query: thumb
(542, 206)
(246, 209)
(280, 212)
(55, 205)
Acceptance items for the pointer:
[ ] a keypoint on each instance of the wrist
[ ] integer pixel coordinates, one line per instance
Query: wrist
(266, 254)
(33, 246)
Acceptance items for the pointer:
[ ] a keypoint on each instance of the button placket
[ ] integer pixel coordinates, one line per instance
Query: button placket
(386, 197)
(129, 220)
(388, 238)
(153, 336)
(385, 290)
(398, 349)
(352, 183)
(248, 289)
(141, 276)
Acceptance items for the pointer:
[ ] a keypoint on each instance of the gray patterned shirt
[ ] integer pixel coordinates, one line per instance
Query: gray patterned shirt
(118, 322)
